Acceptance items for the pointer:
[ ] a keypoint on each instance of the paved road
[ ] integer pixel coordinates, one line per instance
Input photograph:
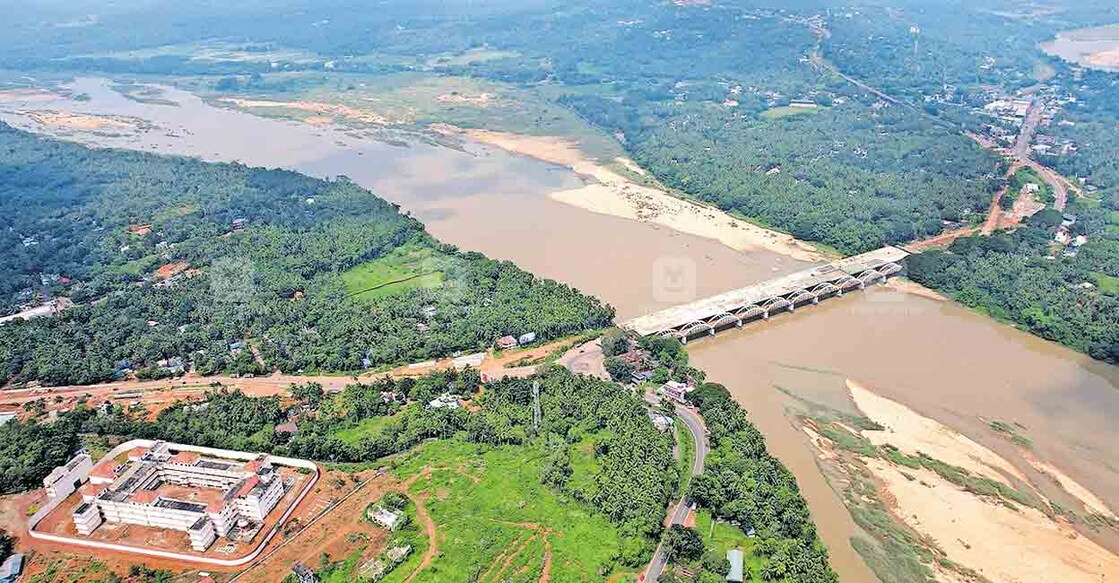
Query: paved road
(694, 424)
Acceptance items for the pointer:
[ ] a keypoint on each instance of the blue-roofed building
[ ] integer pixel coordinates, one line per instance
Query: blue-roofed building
(11, 568)
(737, 560)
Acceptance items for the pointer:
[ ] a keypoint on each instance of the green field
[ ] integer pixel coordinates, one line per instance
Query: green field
(719, 537)
(406, 268)
(365, 428)
(787, 111)
(491, 510)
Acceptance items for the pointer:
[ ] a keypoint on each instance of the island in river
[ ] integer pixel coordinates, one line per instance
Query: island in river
(935, 358)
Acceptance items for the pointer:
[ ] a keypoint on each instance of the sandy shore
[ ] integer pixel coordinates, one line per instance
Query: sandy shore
(319, 110)
(912, 433)
(1000, 542)
(911, 287)
(612, 193)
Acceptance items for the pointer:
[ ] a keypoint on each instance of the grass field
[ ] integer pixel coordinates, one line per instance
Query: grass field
(496, 522)
(721, 536)
(364, 428)
(787, 111)
(406, 268)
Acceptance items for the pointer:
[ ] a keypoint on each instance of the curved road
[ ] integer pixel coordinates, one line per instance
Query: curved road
(694, 423)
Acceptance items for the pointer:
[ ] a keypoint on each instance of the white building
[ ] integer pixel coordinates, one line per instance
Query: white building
(63, 480)
(142, 491)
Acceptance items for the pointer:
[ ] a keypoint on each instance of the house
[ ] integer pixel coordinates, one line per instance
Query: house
(526, 338)
(389, 519)
(1063, 237)
(7, 416)
(506, 342)
(11, 568)
(290, 428)
(736, 558)
(640, 376)
(1079, 240)
(445, 401)
(675, 390)
(172, 365)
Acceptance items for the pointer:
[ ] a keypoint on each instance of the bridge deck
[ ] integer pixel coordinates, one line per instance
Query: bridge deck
(682, 315)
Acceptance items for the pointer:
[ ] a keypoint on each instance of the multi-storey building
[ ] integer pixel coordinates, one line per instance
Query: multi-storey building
(148, 490)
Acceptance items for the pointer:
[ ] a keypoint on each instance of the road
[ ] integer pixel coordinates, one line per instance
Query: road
(679, 513)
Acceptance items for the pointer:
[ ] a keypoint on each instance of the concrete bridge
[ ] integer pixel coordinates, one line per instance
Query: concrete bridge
(760, 301)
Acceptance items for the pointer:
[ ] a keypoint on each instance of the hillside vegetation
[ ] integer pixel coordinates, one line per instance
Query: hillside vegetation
(236, 270)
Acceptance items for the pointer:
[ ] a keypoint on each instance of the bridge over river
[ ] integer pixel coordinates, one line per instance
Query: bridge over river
(759, 301)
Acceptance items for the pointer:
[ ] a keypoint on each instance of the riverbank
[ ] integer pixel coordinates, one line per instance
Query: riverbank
(610, 192)
(972, 511)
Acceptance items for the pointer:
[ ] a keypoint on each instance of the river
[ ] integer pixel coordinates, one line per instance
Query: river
(942, 360)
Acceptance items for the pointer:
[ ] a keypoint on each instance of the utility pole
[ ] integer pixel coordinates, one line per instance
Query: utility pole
(536, 405)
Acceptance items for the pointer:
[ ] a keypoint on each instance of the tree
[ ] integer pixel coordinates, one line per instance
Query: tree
(683, 543)
(615, 342)
(618, 369)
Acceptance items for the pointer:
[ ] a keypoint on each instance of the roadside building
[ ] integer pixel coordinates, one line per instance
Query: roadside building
(737, 565)
(676, 391)
(640, 376)
(526, 338)
(506, 342)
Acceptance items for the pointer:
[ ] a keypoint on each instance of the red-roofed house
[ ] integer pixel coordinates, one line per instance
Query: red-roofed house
(136, 453)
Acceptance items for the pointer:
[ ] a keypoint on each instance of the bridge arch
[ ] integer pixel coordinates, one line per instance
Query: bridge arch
(776, 303)
(723, 319)
(693, 327)
(889, 269)
(847, 282)
(871, 275)
(824, 288)
(751, 311)
(801, 295)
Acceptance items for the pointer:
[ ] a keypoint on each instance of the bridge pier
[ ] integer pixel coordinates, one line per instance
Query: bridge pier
(710, 331)
(815, 300)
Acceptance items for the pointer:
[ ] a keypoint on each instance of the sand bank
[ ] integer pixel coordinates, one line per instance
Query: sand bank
(1012, 543)
(317, 108)
(912, 433)
(77, 121)
(1002, 544)
(611, 193)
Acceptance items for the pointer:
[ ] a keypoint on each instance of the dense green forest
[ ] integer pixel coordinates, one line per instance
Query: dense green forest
(233, 269)
(1026, 278)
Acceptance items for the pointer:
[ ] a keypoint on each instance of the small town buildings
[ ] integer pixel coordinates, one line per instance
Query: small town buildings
(737, 564)
(506, 342)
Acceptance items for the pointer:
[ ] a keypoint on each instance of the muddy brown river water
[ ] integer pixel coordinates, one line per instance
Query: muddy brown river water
(940, 359)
